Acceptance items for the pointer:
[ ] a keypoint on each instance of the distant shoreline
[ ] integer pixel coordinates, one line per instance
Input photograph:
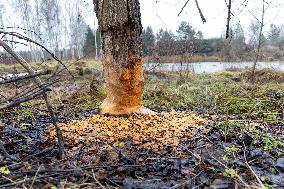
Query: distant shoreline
(205, 58)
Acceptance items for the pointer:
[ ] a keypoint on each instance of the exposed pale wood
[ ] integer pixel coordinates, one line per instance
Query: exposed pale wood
(120, 25)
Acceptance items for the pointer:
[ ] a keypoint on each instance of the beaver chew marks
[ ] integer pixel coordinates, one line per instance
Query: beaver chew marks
(120, 26)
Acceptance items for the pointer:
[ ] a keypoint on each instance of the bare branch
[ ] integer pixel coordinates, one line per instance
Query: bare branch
(15, 34)
(16, 42)
(16, 102)
(24, 29)
(6, 154)
(39, 83)
(200, 12)
(183, 7)
(229, 5)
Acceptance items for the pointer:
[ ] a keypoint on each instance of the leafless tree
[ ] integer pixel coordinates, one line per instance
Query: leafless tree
(50, 12)
(264, 8)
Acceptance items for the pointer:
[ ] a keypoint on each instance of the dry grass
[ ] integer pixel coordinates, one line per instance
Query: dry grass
(52, 65)
(184, 58)
(264, 75)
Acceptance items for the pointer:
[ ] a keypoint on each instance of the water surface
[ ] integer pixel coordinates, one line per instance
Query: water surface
(210, 67)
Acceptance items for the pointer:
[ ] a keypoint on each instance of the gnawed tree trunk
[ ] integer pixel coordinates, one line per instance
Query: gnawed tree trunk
(120, 26)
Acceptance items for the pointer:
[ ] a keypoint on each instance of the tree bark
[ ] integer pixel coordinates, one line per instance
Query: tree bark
(120, 26)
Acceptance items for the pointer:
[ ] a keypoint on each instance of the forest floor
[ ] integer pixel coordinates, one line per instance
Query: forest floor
(210, 131)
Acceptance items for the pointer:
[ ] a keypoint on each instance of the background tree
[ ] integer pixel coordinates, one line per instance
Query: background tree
(254, 37)
(238, 41)
(2, 13)
(24, 8)
(187, 39)
(185, 31)
(51, 23)
(148, 41)
(90, 42)
(165, 43)
(274, 35)
(260, 41)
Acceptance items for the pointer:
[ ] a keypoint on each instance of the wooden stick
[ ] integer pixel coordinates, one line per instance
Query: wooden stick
(22, 100)
(247, 164)
(37, 81)
(18, 78)
(6, 154)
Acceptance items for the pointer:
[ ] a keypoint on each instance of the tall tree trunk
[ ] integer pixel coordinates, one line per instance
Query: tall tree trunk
(120, 26)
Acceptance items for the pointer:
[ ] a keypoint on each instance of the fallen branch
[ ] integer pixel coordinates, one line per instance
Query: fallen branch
(30, 92)
(255, 175)
(22, 77)
(6, 154)
(37, 81)
(22, 100)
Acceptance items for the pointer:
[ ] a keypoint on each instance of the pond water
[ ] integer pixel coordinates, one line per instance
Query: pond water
(210, 67)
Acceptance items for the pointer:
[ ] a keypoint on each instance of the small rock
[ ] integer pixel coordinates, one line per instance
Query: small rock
(78, 173)
(128, 183)
(1, 158)
(239, 162)
(176, 165)
(277, 179)
(256, 153)
(215, 136)
(200, 143)
(280, 164)
(247, 139)
(265, 155)
(127, 160)
(222, 184)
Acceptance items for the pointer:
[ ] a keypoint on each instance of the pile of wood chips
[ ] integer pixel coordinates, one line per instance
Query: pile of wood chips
(144, 131)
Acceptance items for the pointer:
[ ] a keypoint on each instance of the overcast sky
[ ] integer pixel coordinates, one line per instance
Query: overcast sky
(163, 14)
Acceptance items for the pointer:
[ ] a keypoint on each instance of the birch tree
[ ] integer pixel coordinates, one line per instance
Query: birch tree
(51, 22)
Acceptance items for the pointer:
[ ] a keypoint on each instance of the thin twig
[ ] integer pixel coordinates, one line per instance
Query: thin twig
(94, 177)
(257, 178)
(200, 12)
(35, 177)
(37, 81)
(239, 177)
(38, 44)
(183, 7)
(6, 154)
